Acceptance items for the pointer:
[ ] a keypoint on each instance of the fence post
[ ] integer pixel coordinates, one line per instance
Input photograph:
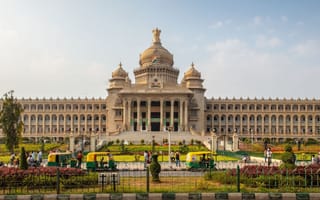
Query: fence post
(238, 178)
(148, 180)
(58, 181)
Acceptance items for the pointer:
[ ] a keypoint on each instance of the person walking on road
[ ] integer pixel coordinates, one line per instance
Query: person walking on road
(177, 155)
(269, 156)
(79, 158)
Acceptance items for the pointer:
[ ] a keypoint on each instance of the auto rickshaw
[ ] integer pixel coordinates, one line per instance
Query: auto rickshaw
(200, 160)
(59, 159)
(100, 161)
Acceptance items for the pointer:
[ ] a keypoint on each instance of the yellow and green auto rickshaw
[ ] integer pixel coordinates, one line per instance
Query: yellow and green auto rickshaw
(60, 159)
(99, 161)
(200, 160)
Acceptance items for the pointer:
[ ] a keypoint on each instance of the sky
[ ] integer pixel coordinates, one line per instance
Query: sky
(245, 48)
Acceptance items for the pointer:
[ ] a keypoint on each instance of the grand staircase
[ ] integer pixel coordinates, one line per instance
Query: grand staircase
(135, 137)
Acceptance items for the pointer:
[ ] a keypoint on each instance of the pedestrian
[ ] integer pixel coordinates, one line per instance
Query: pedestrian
(12, 157)
(40, 157)
(172, 156)
(269, 156)
(265, 155)
(177, 157)
(146, 158)
(79, 158)
(313, 160)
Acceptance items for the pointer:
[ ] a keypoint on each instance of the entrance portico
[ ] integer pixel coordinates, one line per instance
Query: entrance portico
(155, 113)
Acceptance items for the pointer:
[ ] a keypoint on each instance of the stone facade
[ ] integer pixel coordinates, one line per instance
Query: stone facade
(157, 101)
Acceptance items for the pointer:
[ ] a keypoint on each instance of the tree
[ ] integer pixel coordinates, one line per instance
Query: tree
(10, 121)
(155, 168)
(288, 158)
(23, 159)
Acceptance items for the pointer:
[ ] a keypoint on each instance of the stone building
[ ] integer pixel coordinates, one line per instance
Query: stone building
(157, 101)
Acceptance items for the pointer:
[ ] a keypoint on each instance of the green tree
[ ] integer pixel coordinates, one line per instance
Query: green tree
(23, 159)
(155, 168)
(10, 121)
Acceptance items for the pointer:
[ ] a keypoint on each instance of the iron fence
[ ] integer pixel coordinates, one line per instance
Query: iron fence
(249, 179)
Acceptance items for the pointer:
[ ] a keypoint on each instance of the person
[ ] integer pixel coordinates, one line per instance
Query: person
(269, 155)
(146, 158)
(79, 158)
(34, 155)
(172, 156)
(30, 160)
(12, 157)
(177, 157)
(313, 159)
(17, 162)
(40, 157)
(265, 155)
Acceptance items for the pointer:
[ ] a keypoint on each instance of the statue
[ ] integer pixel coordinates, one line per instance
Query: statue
(156, 35)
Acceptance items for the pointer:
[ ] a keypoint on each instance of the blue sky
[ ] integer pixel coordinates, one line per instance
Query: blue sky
(242, 48)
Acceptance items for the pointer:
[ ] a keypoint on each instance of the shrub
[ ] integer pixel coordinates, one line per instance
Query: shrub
(23, 159)
(142, 141)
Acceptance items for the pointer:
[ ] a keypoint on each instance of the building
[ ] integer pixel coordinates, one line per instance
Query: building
(156, 102)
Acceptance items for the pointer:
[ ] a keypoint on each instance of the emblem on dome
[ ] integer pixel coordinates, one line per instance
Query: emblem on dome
(156, 35)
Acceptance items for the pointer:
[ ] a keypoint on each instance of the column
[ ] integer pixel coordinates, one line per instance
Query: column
(138, 115)
(65, 123)
(313, 125)
(235, 142)
(92, 141)
(124, 116)
(171, 113)
(129, 115)
(181, 116)
(161, 114)
(149, 116)
(71, 141)
(214, 142)
(186, 128)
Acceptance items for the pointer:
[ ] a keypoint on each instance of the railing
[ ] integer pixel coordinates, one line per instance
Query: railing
(254, 178)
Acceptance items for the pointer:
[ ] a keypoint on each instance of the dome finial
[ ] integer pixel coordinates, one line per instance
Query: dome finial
(156, 35)
(192, 65)
(120, 65)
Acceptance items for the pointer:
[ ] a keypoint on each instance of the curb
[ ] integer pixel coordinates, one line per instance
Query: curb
(167, 196)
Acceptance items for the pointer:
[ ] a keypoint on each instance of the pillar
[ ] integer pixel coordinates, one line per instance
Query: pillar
(149, 116)
(138, 115)
(181, 116)
(161, 114)
(186, 128)
(71, 141)
(171, 113)
(235, 142)
(129, 115)
(92, 142)
(124, 117)
(214, 139)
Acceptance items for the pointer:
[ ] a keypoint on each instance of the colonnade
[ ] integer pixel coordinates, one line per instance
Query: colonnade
(155, 114)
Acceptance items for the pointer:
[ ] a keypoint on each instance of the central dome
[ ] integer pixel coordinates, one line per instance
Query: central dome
(156, 53)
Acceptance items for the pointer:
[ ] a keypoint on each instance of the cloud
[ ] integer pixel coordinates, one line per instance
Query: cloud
(257, 20)
(235, 69)
(216, 25)
(284, 19)
(307, 48)
(272, 42)
(220, 24)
